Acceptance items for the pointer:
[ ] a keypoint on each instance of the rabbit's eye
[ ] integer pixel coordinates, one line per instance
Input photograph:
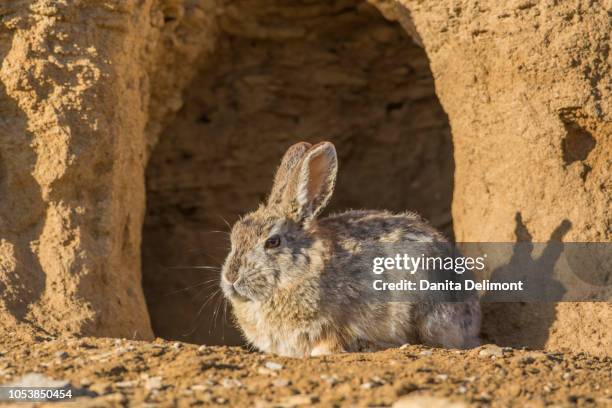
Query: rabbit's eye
(272, 242)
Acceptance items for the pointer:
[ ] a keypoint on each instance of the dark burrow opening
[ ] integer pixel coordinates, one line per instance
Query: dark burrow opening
(348, 76)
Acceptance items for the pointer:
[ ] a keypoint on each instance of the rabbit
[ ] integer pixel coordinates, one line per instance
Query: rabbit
(298, 283)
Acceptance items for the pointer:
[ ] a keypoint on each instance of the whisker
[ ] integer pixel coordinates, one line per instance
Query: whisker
(225, 221)
(205, 293)
(209, 284)
(214, 268)
(215, 316)
(214, 259)
(200, 312)
(215, 232)
(224, 322)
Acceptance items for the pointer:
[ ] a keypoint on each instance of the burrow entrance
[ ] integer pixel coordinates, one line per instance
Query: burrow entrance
(342, 74)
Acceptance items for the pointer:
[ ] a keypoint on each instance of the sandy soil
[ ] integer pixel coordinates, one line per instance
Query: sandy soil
(134, 373)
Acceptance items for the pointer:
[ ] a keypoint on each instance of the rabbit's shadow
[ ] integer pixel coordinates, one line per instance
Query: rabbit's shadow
(520, 324)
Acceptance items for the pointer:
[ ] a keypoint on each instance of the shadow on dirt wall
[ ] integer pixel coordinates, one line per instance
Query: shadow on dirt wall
(521, 324)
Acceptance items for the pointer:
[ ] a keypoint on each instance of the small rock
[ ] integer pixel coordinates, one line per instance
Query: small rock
(86, 345)
(156, 345)
(37, 380)
(442, 377)
(373, 383)
(483, 397)
(298, 400)
(567, 375)
(491, 350)
(265, 371)
(159, 351)
(281, 382)
(330, 379)
(177, 346)
(462, 389)
(555, 357)
(153, 383)
(271, 365)
(102, 357)
(231, 383)
(125, 384)
(101, 388)
(406, 388)
(116, 371)
(203, 350)
(421, 401)
(527, 360)
(200, 387)
(85, 382)
(404, 346)
(62, 355)
(116, 399)
(426, 353)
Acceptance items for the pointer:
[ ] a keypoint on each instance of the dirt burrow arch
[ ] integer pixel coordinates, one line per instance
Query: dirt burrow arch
(86, 103)
(337, 71)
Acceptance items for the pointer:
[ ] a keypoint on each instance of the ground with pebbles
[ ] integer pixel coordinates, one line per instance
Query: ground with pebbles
(111, 372)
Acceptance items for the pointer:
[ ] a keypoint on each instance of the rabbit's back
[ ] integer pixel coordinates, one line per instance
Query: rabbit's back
(382, 319)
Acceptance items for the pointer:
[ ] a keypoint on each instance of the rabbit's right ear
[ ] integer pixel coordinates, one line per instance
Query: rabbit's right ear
(312, 182)
(292, 157)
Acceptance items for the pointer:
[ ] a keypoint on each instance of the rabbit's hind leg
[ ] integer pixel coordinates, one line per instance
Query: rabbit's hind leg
(450, 325)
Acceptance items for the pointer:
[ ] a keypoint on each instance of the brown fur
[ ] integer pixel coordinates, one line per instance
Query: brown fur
(307, 296)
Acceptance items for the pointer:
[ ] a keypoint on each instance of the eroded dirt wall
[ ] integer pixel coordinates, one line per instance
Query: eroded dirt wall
(69, 213)
(281, 73)
(527, 87)
(75, 100)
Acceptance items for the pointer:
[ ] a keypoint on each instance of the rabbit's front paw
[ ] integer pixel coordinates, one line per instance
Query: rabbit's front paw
(326, 348)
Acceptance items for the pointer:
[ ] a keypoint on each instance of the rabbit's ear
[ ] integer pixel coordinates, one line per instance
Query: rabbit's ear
(315, 180)
(292, 157)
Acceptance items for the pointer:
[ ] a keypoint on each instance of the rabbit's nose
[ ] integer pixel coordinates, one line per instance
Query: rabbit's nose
(227, 281)
(228, 287)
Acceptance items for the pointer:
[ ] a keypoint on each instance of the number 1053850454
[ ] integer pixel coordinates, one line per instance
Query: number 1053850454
(34, 394)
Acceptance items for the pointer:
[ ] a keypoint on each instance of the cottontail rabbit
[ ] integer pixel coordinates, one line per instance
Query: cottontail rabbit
(299, 284)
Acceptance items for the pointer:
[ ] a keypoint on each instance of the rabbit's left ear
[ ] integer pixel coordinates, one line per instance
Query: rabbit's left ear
(315, 180)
